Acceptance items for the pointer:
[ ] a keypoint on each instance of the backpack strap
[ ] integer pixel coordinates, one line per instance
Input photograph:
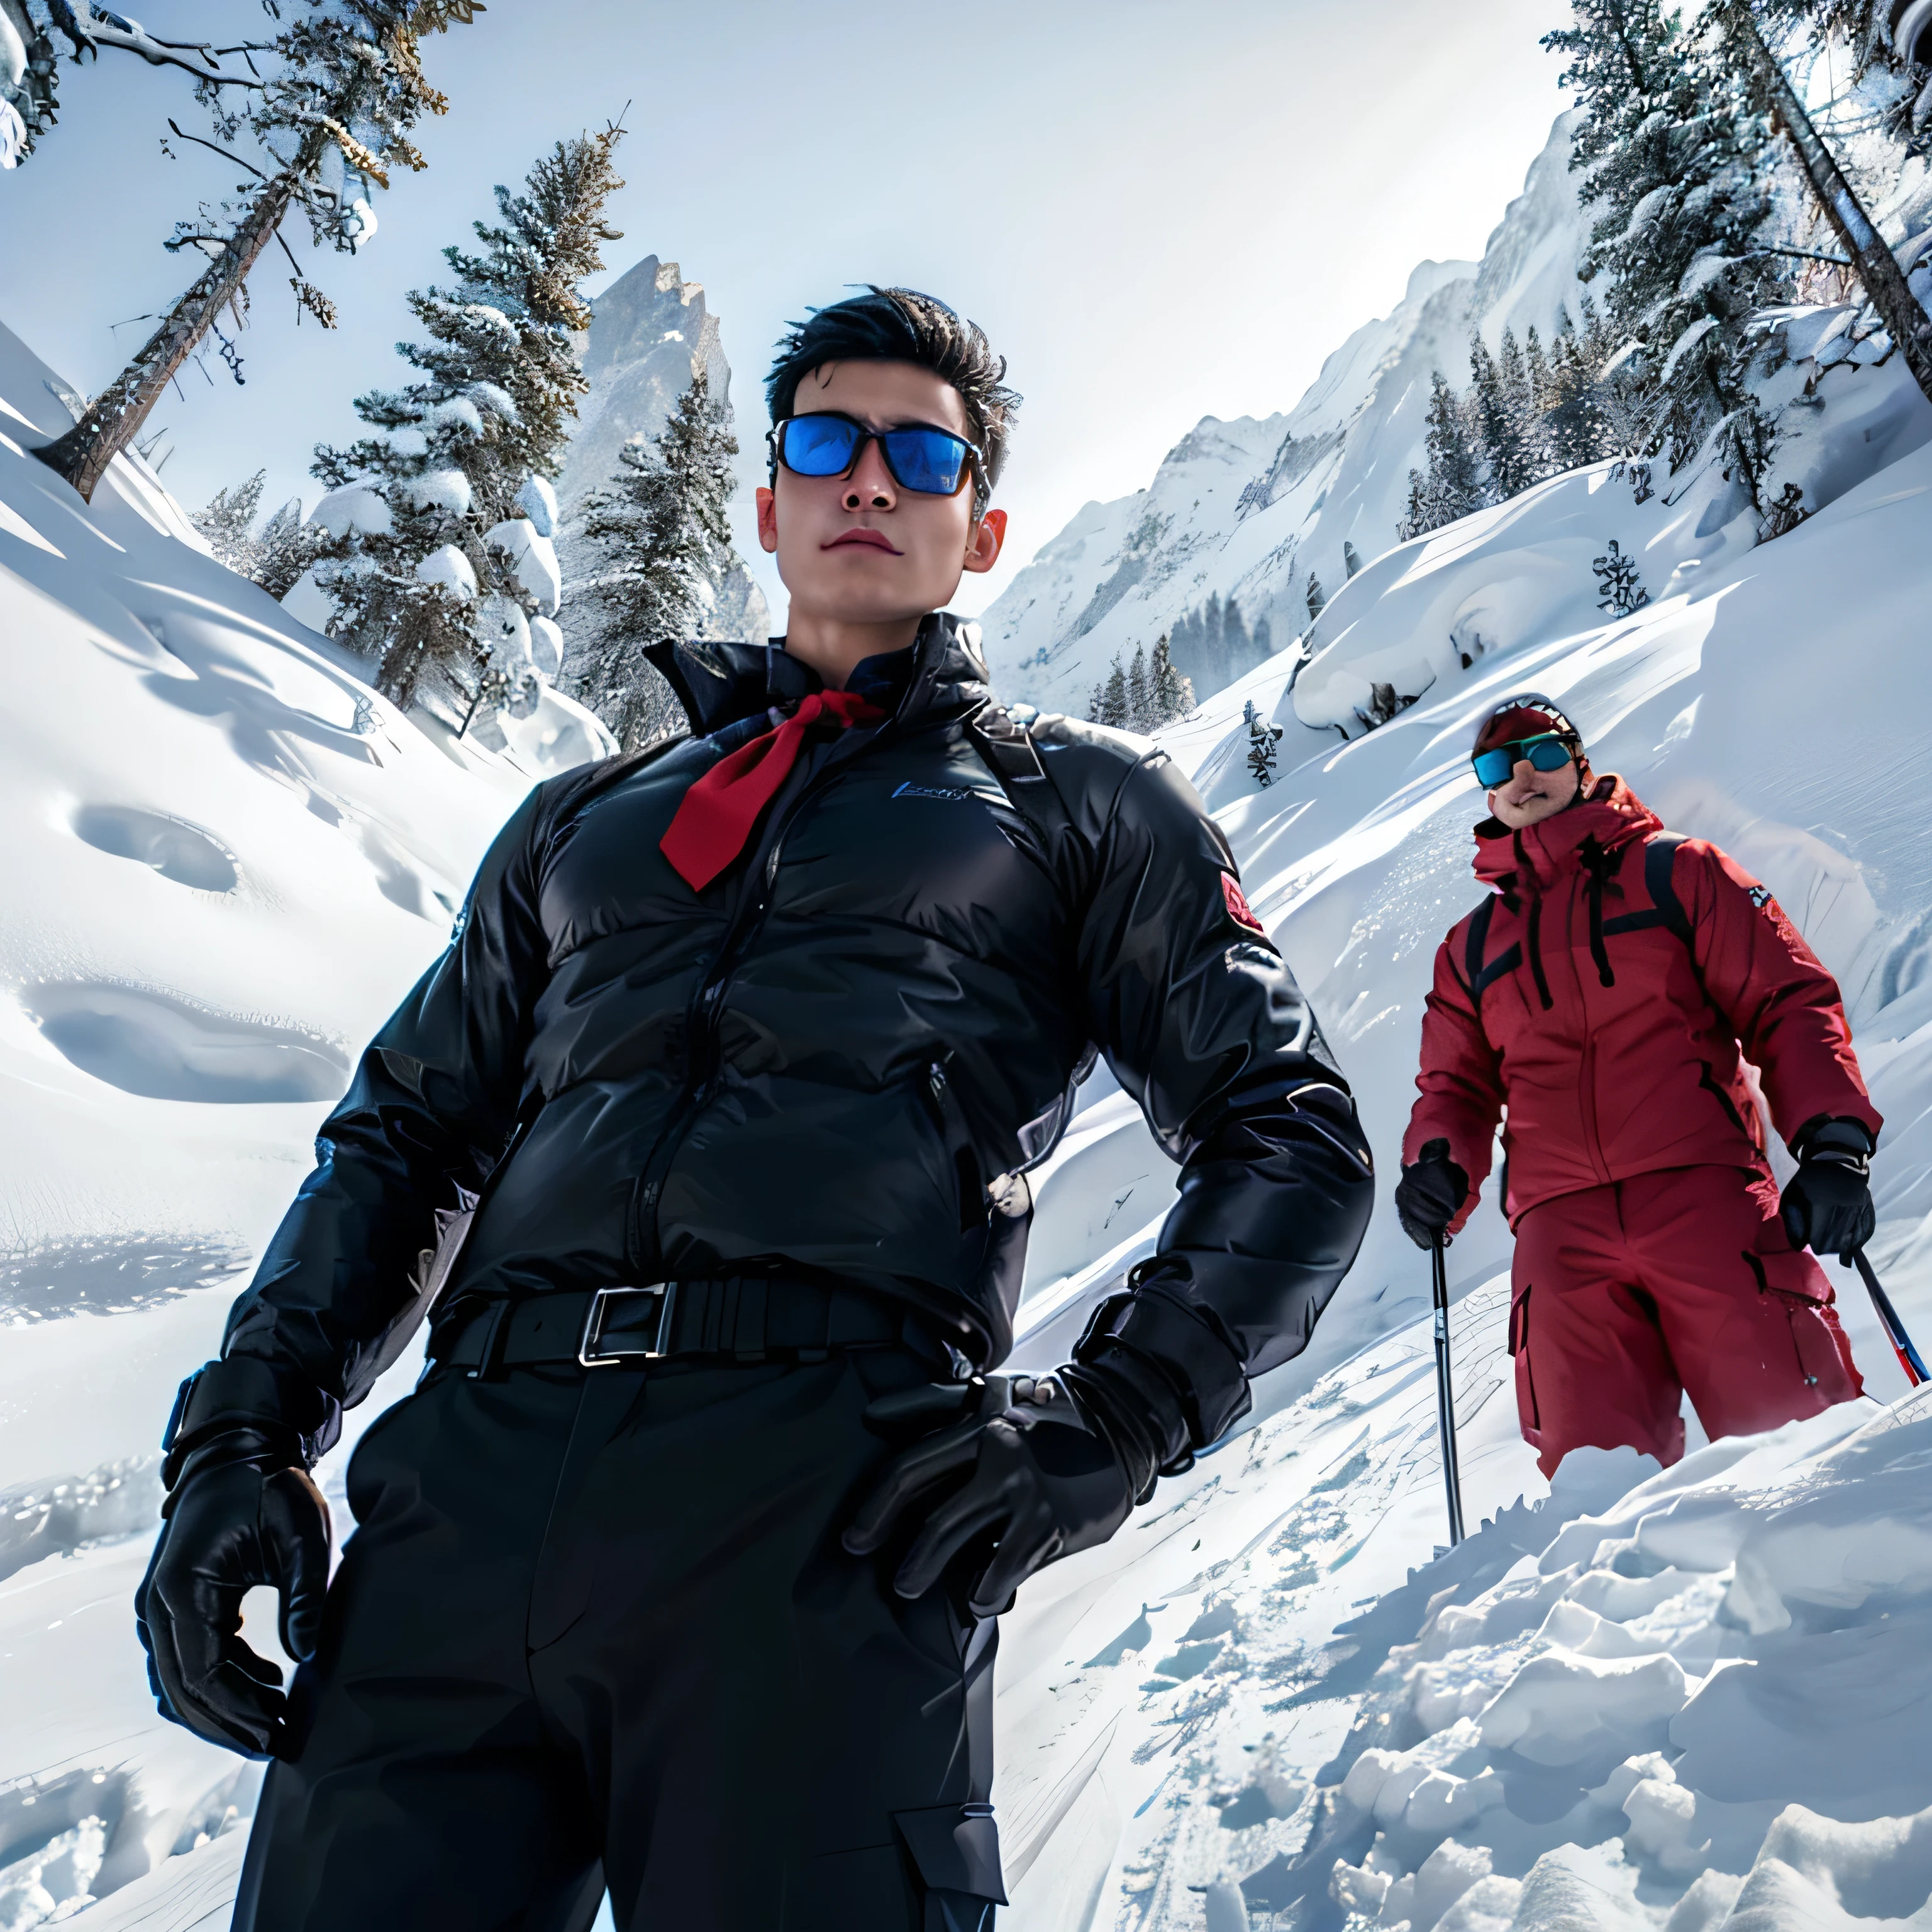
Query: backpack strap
(1659, 861)
(1477, 977)
(1010, 753)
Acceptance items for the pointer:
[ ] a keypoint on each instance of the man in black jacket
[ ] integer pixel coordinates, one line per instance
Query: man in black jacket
(678, 1572)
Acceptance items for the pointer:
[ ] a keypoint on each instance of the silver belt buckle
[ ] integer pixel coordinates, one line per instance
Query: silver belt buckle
(591, 1356)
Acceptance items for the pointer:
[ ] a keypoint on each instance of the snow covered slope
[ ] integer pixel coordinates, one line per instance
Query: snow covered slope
(1248, 509)
(226, 858)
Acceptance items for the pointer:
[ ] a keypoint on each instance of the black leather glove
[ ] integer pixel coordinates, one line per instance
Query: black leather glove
(1020, 1461)
(1428, 1195)
(242, 1511)
(1827, 1204)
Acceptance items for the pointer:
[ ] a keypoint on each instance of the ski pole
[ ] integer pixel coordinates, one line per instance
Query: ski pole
(1445, 1394)
(1909, 1359)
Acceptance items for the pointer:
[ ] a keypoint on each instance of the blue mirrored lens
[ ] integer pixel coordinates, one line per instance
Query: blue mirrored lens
(928, 461)
(819, 445)
(1494, 766)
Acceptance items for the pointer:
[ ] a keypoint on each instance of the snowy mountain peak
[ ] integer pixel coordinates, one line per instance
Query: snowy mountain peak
(1247, 510)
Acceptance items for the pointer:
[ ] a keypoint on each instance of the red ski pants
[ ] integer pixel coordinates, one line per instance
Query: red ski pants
(1626, 1296)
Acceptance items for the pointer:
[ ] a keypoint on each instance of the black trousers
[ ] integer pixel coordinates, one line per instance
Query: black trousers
(596, 1629)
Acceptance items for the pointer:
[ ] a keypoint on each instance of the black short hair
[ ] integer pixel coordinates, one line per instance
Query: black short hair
(902, 325)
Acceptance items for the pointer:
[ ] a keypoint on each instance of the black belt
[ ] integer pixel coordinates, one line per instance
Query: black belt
(742, 1319)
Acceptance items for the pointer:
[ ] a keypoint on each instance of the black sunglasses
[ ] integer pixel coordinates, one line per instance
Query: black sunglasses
(929, 461)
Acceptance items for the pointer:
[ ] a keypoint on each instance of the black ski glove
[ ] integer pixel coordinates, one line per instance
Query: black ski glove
(242, 1511)
(1428, 1195)
(1022, 1461)
(1827, 1204)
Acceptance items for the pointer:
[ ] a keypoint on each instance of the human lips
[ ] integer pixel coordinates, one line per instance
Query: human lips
(866, 539)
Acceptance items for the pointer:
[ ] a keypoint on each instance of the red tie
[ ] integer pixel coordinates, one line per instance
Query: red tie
(715, 820)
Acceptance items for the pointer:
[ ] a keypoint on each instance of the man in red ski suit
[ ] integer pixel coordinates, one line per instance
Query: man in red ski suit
(1604, 1000)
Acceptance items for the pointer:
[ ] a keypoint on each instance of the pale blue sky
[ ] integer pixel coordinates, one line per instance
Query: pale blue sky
(1160, 209)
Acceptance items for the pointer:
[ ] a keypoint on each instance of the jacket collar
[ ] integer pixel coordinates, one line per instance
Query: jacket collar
(941, 674)
(1611, 816)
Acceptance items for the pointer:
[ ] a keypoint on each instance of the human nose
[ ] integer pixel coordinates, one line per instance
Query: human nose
(870, 486)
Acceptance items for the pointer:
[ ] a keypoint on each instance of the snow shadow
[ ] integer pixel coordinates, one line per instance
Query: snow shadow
(175, 849)
(56, 1516)
(109, 1277)
(152, 1044)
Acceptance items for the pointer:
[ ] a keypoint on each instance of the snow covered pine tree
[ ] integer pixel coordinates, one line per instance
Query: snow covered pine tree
(1173, 694)
(273, 556)
(661, 543)
(1262, 739)
(331, 120)
(1618, 590)
(1672, 149)
(444, 566)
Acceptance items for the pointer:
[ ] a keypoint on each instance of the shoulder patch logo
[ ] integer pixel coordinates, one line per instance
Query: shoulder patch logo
(1239, 910)
(1760, 896)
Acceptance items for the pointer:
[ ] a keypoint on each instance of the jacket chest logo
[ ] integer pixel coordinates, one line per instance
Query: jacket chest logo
(909, 789)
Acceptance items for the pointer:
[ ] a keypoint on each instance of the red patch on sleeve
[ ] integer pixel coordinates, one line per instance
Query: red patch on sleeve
(1239, 910)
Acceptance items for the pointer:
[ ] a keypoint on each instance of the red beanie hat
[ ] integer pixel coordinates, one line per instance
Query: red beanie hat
(1528, 714)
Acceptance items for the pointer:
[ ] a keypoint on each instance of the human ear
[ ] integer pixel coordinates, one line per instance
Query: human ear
(768, 519)
(989, 535)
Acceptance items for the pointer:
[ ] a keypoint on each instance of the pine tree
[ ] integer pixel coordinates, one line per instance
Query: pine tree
(662, 544)
(1140, 696)
(228, 522)
(285, 548)
(345, 87)
(1262, 739)
(1619, 589)
(1173, 694)
(442, 581)
(1754, 67)
(1317, 598)
(1351, 561)
(275, 556)
(515, 318)
(1452, 486)
(1114, 699)
(1675, 157)
(1508, 445)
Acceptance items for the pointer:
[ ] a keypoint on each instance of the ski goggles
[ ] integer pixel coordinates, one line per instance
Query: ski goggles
(1549, 751)
(928, 461)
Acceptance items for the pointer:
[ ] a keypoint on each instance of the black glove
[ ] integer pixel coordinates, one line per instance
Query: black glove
(242, 1511)
(1022, 1461)
(1827, 1204)
(1428, 1195)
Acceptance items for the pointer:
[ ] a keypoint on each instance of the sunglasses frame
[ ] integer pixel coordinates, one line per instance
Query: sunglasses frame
(974, 467)
(1519, 748)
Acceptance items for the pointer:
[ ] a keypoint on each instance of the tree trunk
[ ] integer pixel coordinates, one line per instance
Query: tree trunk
(114, 418)
(1905, 322)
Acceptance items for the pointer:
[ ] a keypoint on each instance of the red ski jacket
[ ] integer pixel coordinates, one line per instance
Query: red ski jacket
(1606, 997)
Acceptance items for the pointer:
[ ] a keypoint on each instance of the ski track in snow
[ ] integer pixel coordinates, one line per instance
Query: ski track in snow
(1680, 1700)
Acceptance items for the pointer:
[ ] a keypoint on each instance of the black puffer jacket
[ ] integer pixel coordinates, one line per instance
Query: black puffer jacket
(836, 1060)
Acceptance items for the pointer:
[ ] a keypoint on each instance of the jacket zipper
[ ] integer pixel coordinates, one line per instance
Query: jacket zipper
(702, 1029)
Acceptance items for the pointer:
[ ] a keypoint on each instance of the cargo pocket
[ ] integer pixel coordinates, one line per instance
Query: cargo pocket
(1785, 1281)
(1526, 1379)
(956, 1848)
